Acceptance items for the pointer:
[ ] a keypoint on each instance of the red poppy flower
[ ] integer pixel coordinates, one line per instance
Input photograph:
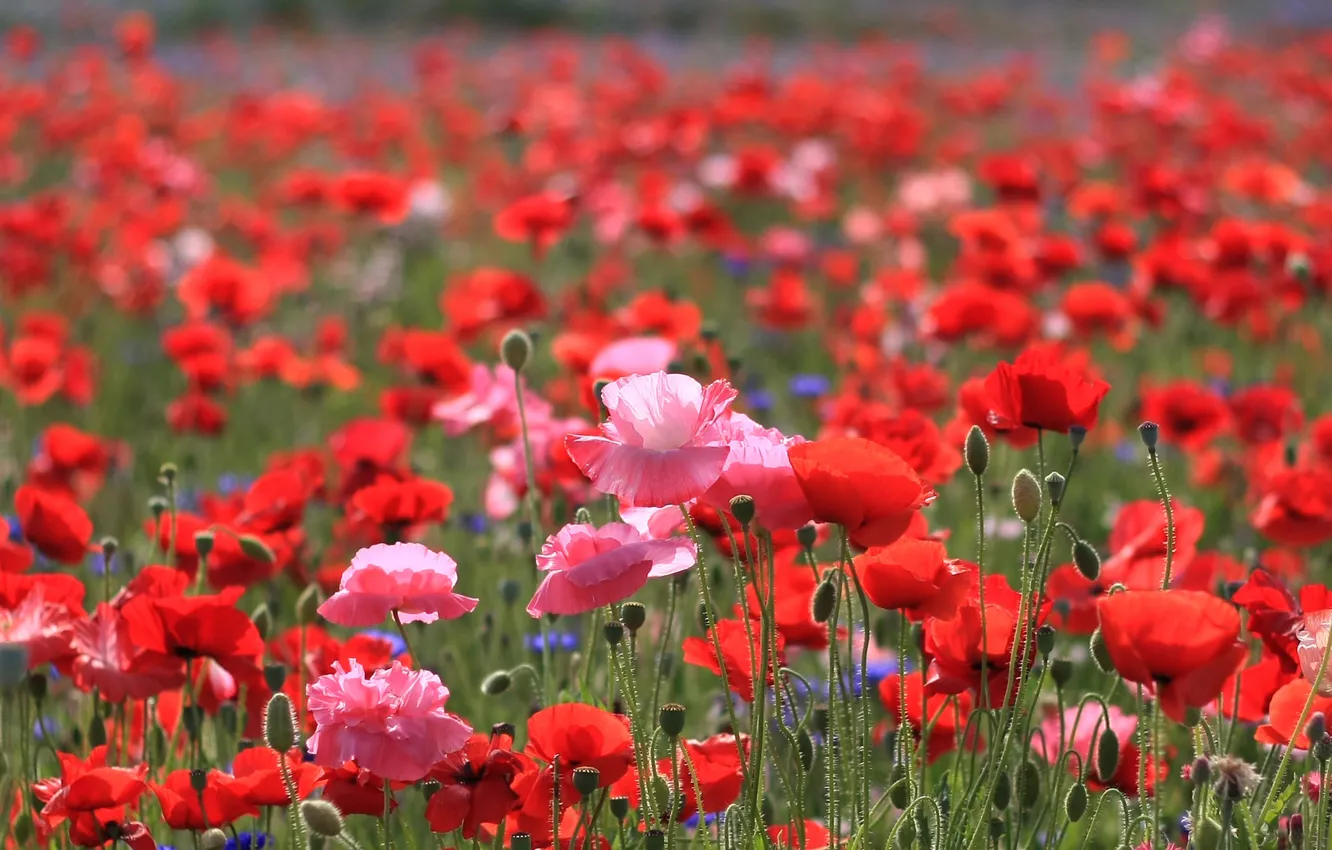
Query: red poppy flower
(181, 804)
(787, 836)
(948, 715)
(196, 413)
(107, 659)
(1182, 643)
(974, 409)
(956, 645)
(1041, 390)
(913, 576)
(259, 778)
(1257, 684)
(1190, 415)
(55, 525)
(868, 489)
(275, 501)
(357, 792)
(198, 627)
(384, 196)
(1276, 615)
(1296, 507)
(736, 648)
(581, 735)
(539, 220)
(396, 505)
(490, 298)
(1265, 413)
(795, 583)
(1284, 712)
(15, 557)
(718, 775)
(476, 785)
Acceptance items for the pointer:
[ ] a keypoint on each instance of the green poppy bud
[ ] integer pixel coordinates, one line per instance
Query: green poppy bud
(1026, 495)
(516, 349)
(280, 723)
(1075, 802)
(323, 817)
(976, 449)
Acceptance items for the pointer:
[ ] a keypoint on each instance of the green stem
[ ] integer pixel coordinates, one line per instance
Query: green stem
(1154, 460)
(1298, 729)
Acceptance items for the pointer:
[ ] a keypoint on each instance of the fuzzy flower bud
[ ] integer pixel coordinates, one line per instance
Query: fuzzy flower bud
(516, 349)
(976, 450)
(1026, 496)
(322, 817)
(280, 723)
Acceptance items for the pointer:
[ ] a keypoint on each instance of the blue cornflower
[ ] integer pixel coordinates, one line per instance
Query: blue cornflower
(809, 386)
(44, 728)
(399, 646)
(736, 265)
(759, 399)
(249, 841)
(1220, 386)
(559, 642)
(229, 482)
(15, 533)
(1128, 451)
(474, 523)
(709, 819)
(97, 563)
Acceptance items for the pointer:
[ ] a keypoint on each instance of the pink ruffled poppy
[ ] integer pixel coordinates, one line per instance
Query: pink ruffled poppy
(758, 466)
(634, 356)
(587, 567)
(493, 396)
(404, 577)
(662, 445)
(392, 723)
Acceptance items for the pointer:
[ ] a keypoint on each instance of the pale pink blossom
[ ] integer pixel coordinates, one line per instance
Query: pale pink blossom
(392, 723)
(1313, 639)
(758, 467)
(404, 577)
(1081, 733)
(861, 225)
(654, 523)
(635, 356)
(492, 399)
(662, 444)
(106, 659)
(588, 567)
(42, 627)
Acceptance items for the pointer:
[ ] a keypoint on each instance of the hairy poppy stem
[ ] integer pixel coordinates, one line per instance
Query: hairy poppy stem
(1155, 462)
(534, 521)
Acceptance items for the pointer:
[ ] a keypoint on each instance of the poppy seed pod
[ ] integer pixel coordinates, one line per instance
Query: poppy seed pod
(263, 621)
(807, 536)
(496, 683)
(586, 780)
(742, 508)
(672, 719)
(109, 547)
(1076, 435)
(1055, 482)
(167, 473)
(274, 675)
(37, 686)
(213, 839)
(280, 723)
(1316, 728)
(1045, 639)
(1026, 496)
(1061, 671)
(1107, 755)
(614, 632)
(633, 615)
(429, 788)
(619, 807)
(509, 591)
(655, 840)
(203, 543)
(1087, 560)
(976, 449)
(516, 349)
(199, 779)
(157, 506)
(520, 841)
(1150, 433)
(322, 817)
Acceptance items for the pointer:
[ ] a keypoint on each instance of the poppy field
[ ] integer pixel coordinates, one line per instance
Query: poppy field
(549, 445)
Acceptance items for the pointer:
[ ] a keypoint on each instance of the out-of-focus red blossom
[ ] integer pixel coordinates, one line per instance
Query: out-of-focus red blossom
(55, 525)
(1276, 615)
(221, 800)
(1189, 414)
(1043, 390)
(88, 794)
(357, 792)
(913, 576)
(582, 736)
(259, 776)
(945, 715)
(739, 642)
(396, 505)
(1295, 507)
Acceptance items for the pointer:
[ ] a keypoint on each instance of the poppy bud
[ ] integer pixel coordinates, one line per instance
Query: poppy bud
(1322, 750)
(820, 718)
(1201, 771)
(1150, 433)
(157, 744)
(509, 590)
(899, 793)
(13, 665)
(96, 731)
(824, 601)
(586, 780)
(203, 543)
(1296, 826)
(1107, 755)
(583, 516)
(226, 717)
(976, 449)
(307, 605)
(167, 473)
(157, 506)
(280, 723)
(1061, 671)
(906, 835)
(1055, 482)
(655, 840)
(198, 780)
(1100, 653)
(109, 548)
(274, 676)
(1087, 560)
(1076, 434)
(37, 686)
(255, 549)
(516, 349)
(997, 828)
(672, 719)
(23, 828)
(1028, 785)
(213, 839)
(323, 818)
(619, 807)
(807, 536)
(1026, 496)
(614, 632)
(1003, 791)
(1316, 728)
(263, 621)
(496, 683)
(805, 749)
(1075, 802)
(661, 793)
(633, 615)
(1045, 640)
(742, 508)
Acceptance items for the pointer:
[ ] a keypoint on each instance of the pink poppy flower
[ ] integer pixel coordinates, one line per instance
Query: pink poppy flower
(662, 444)
(392, 724)
(1313, 636)
(654, 523)
(41, 627)
(1082, 732)
(492, 398)
(758, 466)
(404, 577)
(587, 567)
(635, 356)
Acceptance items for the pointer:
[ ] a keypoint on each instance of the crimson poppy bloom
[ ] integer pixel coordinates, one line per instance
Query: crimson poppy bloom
(737, 649)
(1265, 413)
(259, 779)
(866, 488)
(582, 736)
(476, 784)
(198, 627)
(107, 659)
(275, 501)
(1284, 712)
(717, 772)
(182, 807)
(1182, 643)
(1296, 507)
(356, 791)
(1042, 390)
(948, 715)
(913, 576)
(54, 524)
(1276, 615)
(15, 556)
(89, 794)
(396, 505)
(1189, 414)
(795, 584)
